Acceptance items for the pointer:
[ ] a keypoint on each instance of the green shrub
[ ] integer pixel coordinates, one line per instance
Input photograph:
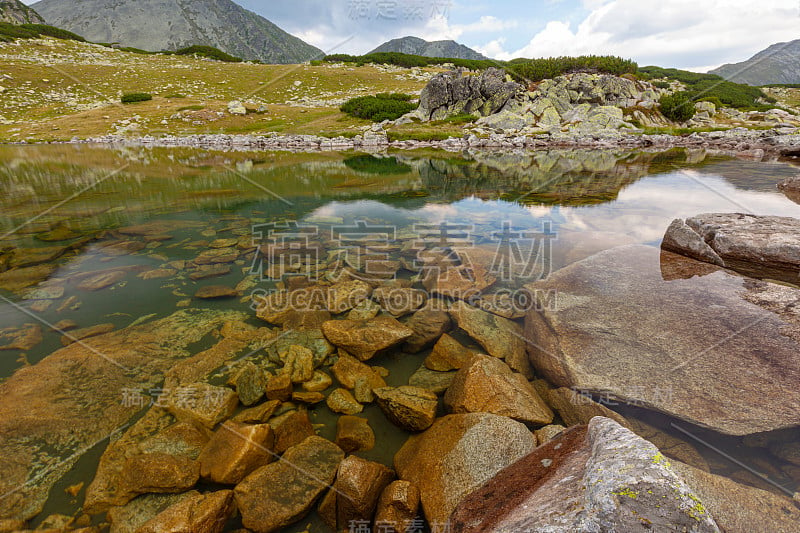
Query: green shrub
(379, 108)
(317, 62)
(701, 86)
(661, 84)
(409, 60)
(534, 70)
(52, 31)
(208, 52)
(9, 32)
(678, 107)
(131, 98)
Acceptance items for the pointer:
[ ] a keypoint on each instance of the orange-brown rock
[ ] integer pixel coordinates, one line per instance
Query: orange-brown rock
(364, 339)
(198, 513)
(348, 370)
(428, 324)
(279, 494)
(290, 429)
(159, 472)
(499, 336)
(409, 408)
(487, 385)
(354, 434)
(235, 450)
(397, 507)
(448, 354)
(359, 484)
(457, 455)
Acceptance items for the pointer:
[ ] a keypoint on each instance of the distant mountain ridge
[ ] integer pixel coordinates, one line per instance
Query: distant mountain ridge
(421, 47)
(780, 63)
(157, 25)
(15, 12)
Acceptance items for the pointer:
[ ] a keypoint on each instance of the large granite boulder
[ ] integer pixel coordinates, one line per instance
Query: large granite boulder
(718, 351)
(454, 92)
(600, 477)
(457, 455)
(759, 246)
(736, 507)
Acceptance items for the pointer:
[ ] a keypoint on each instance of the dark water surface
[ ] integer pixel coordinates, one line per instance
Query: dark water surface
(70, 201)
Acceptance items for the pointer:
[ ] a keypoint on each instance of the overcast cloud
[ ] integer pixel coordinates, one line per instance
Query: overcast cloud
(690, 34)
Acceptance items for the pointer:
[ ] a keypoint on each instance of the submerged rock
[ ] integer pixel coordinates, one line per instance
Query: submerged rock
(694, 352)
(397, 507)
(457, 455)
(487, 385)
(364, 339)
(279, 494)
(599, 477)
(407, 407)
(448, 354)
(354, 434)
(428, 325)
(736, 507)
(499, 336)
(75, 398)
(23, 338)
(359, 484)
(759, 246)
(791, 188)
(197, 513)
(235, 450)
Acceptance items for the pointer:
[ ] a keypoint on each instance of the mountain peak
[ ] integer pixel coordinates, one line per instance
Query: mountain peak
(421, 47)
(780, 63)
(157, 25)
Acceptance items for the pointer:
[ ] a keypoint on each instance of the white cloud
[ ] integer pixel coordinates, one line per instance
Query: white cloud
(683, 33)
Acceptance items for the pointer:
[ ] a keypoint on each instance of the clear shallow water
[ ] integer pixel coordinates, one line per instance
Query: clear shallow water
(592, 201)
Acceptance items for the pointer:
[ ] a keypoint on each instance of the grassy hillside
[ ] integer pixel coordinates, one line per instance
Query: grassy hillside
(55, 90)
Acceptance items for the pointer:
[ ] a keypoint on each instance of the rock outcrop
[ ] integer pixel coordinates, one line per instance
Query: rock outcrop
(759, 246)
(455, 92)
(15, 12)
(718, 350)
(457, 455)
(600, 477)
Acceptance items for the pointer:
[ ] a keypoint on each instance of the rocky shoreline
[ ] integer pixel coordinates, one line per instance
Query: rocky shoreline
(748, 143)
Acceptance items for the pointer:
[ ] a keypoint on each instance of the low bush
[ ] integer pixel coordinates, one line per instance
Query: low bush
(678, 107)
(410, 60)
(131, 98)
(702, 86)
(379, 108)
(534, 70)
(208, 52)
(9, 32)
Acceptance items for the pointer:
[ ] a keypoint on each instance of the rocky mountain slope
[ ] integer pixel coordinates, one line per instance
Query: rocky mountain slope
(780, 63)
(16, 12)
(421, 47)
(172, 24)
